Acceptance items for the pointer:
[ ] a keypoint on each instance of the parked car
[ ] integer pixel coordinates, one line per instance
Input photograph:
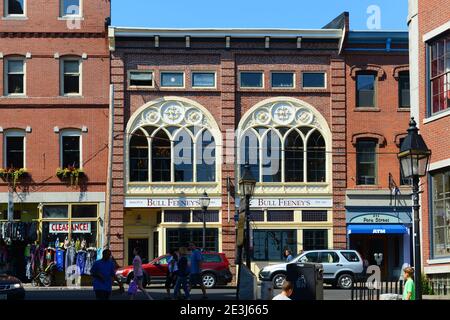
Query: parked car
(215, 270)
(340, 267)
(11, 288)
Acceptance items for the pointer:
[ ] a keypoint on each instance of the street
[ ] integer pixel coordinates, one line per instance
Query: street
(157, 292)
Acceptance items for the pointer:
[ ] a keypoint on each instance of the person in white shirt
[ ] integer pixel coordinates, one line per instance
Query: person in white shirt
(288, 290)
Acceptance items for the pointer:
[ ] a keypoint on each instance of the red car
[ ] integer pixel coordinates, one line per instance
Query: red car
(215, 270)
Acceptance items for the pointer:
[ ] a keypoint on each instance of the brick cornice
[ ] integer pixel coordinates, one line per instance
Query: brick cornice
(52, 35)
(368, 135)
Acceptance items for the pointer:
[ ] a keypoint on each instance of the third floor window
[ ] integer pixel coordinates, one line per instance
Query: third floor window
(403, 87)
(70, 8)
(440, 74)
(71, 77)
(14, 8)
(365, 89)
(366, 162)
(15, 77)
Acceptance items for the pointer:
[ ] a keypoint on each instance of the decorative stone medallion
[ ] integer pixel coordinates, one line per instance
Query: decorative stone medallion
(172, 113)
(283, 113)
(194, 117)
(152, 116)
(262, 117)
(304, 116)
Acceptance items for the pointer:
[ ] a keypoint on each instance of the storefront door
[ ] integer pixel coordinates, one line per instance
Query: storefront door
(141, 244)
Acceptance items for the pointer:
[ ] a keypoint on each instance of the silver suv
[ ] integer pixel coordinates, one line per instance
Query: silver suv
(340, 267)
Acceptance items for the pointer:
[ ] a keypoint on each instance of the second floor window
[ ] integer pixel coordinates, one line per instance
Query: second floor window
(440, 75)
(172, 79)
(15, 151)
(251, 79)
(70, 8)
(15, 77)
(71, 77)
(366, 162)
(365, 89)
(70, 150)
(314, 80)
(403, 87)
(282, 80)
(14, 7)
(141, 79)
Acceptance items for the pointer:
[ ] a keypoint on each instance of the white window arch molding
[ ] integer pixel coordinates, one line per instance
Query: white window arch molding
(283, 116)
(174, 116)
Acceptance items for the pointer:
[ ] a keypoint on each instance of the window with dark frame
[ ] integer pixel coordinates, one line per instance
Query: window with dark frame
(314, 216)
(15, 76)
(206, 157)
(294, 158)
(257, 216)
(71, 77)
(184, 158)
(365, 89)
(15, 152)
(270, 245)
(366, 164)
(315, 240)
(138, 157)
(70, 7)
(203, 79)
(316, 158)
(439, 72)
(179, 216)
(141, 79)
(282, 79)
(176, 238)
(14, 7)
(210, 216)
(280, 216)
(251, 79)
(313, 80)
(271, 157)
(161, 157)
(70, 151)
(404, 90)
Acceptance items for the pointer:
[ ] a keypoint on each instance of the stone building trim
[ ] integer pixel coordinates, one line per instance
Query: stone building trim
(368, 67)
(398, 69)
(381, 140)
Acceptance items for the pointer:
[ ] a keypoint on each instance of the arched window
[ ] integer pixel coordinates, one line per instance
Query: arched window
(138, 157)
(294, 157)
(316, 156)
(271, 157)
(250, 153)
(183, 157)
(206, 157)
(161, 157)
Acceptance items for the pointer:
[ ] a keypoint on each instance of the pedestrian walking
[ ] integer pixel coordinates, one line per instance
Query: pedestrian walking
(287, 291)
(138, 275)
(288, 255)
(196, 267)
(183, 275)
(409, 292)
(172, 271)
(104, 271)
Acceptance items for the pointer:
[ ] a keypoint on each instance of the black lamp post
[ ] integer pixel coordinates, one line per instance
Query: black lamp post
(414, 157)
(204, 202)
(247, 188)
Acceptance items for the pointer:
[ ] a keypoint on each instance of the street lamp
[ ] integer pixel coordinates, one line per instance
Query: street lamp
(247, 187)
(414, 157)
(204, 202)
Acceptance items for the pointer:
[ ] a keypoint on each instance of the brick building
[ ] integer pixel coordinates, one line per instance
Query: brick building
(273, 98)
(429, 28)
(54, 100)
(378, 199)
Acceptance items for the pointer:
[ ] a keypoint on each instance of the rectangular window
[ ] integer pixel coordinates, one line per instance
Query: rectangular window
(204, 79)
(439, 72)
(70, 151)
(403, 88)
(282, 80)
(14, 8)
(210, 216)
(56, 212)
(256, 216)
(177, 238)
(15, 77)
(84, 211)
(251, 79)
(365, 87)
(366, 162)
(15, 152)
(180, 216)
(172, 79)
(70, 8)
(280, 216)
(315, 240)
(269, 245)
(141, 79)
(314, 80)
(71, 77)
(441, 213)
(314, 216)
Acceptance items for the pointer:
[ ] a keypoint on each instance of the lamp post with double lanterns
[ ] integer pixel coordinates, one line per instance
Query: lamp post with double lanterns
(247, 188)
(204, 202)
(414, 157)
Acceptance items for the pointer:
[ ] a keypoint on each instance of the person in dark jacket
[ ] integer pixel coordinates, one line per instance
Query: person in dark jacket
(183, 275)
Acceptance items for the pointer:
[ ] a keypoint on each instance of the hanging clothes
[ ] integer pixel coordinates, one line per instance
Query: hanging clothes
(59, 259)
(70, 258)
(91, 257)
(29, 269)
(81, 261)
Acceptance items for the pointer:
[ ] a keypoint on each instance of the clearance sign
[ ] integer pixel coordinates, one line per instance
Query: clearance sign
(63, 227)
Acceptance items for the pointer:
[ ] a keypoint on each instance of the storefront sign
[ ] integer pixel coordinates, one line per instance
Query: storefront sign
(170, 203)
(376, 218)
(268, 203)
(63, 227)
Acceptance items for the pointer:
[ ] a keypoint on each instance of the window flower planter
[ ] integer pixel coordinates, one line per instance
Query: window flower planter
(70, 173)
(12, 175)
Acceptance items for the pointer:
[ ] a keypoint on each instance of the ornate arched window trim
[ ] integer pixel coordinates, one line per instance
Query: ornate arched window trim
(368, 68)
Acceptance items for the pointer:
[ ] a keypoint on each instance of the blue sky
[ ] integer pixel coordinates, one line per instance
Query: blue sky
(307, 14)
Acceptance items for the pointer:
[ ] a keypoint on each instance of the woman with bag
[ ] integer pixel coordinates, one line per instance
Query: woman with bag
(138, 272)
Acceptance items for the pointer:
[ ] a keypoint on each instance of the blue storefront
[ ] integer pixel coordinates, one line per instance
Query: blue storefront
(382, 235)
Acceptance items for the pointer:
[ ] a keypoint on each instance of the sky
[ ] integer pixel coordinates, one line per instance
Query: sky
(295, 14)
